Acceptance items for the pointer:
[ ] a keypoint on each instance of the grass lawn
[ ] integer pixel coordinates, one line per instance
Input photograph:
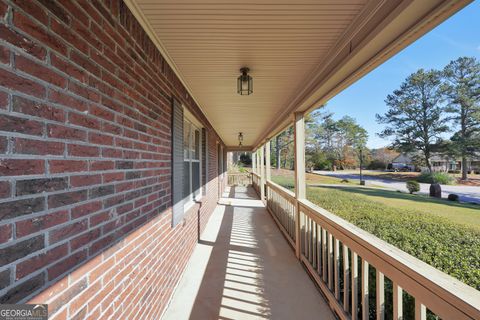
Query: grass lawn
(417, 225)
(285, 178)
(443, 234)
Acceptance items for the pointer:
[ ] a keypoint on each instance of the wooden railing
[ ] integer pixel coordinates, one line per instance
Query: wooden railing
(351, 265)
(239, 179)
(256, 182)
(282, 205)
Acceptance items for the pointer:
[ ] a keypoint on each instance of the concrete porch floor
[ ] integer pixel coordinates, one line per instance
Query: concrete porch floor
(243, 268)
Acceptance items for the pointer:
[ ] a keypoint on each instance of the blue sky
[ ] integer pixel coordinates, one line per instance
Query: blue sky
(455, 37)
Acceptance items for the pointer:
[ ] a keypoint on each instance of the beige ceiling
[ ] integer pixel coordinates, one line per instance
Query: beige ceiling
(280, 41)
(285, 43)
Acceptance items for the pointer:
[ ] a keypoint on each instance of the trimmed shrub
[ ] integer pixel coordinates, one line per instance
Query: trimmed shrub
(436, 177)
(453, 197)
(413, 186)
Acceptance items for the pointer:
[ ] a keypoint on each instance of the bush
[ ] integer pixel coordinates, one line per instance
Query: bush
(453, 197)
(413, 186)
(436, 177)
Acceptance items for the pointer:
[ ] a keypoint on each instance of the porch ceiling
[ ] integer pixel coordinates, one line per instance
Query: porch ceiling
(291, 48)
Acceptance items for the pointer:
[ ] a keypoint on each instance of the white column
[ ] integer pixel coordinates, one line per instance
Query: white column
(254, 162)
(267, 161)
(262, 173)
(300, 189)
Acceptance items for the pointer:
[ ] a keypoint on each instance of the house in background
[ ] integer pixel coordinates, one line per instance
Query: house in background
(440, 163)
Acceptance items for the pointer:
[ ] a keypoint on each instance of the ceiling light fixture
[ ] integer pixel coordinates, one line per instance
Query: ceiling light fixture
(240, 139)
(244, 82)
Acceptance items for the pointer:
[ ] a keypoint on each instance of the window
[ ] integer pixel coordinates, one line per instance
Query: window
(192, 175)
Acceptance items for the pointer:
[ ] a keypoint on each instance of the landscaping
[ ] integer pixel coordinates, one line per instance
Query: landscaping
(442, 233)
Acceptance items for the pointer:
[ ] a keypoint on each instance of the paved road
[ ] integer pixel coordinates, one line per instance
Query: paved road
(465, 193)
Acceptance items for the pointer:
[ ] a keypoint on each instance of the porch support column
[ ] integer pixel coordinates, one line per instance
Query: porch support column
(300, 188)
(254, 162)
(267, 161)
(262, 173)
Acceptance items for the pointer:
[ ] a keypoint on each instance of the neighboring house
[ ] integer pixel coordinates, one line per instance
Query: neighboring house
(440, 163)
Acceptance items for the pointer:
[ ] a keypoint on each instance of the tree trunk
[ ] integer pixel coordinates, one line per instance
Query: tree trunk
(464, 168)
(277, 150)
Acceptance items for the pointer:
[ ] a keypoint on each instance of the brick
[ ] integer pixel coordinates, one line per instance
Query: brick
(86, 209)
(68, 231)
(67, 198)
(5, 233)
(67, 295)
(68, 68)
(16, 208)
(4, 189)
(67, 133)
(63, 166)
(23, 290)
(14, 82)
(99, 218)
(28, 46)
(83, 121)
(101, 191)
(39, 71)
(66, 34)
(66, 264)
(3, 144)
(20, 125)
(85, 239)
(38, 32)
(28, 146)
(83, 91)
(67, 100)
(37, 109)
(101, 113)
(33, 186)
(98, 138)
(101, 165)
(4, 278)
(33, 264)
(21, 249)
(32, 225)
(114, 176)
(33, 9)
(78, 150)
(56, 9)
(3, 100)
(18, 167)
(85, 180)
(85, 63)
(4, 55)
(123, 164)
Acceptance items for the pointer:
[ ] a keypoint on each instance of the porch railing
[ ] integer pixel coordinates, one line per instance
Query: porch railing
(350, 266)
(283, 206)
(256, 182)
(239, 179)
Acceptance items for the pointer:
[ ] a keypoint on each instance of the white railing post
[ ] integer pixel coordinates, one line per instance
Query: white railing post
(262, 173)
(267, 160)
(254, 162)
(300, 190)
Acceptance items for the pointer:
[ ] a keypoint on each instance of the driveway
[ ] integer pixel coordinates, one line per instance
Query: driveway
(465, 193)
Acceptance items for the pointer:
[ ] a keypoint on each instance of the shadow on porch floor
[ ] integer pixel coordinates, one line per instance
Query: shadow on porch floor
(243, 268)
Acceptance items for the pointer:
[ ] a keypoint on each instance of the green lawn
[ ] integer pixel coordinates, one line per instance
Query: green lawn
(443, 234)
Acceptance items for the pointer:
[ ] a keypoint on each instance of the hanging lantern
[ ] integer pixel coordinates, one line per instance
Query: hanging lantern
(240, 139)
(244, 83)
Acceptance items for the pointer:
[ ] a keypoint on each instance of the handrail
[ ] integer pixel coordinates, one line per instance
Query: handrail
(442, 294)
(284, 191)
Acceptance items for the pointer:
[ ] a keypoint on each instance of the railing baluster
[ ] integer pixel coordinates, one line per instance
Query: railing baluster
(324, 254)
(330, 261)
(380, 287)
(354, 273)
(337, 269)
(420, 310)
(319, 249)
(397, 302)
(365, 294)
(346, 278)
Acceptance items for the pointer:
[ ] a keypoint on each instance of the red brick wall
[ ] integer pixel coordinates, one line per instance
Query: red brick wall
(85, 212)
